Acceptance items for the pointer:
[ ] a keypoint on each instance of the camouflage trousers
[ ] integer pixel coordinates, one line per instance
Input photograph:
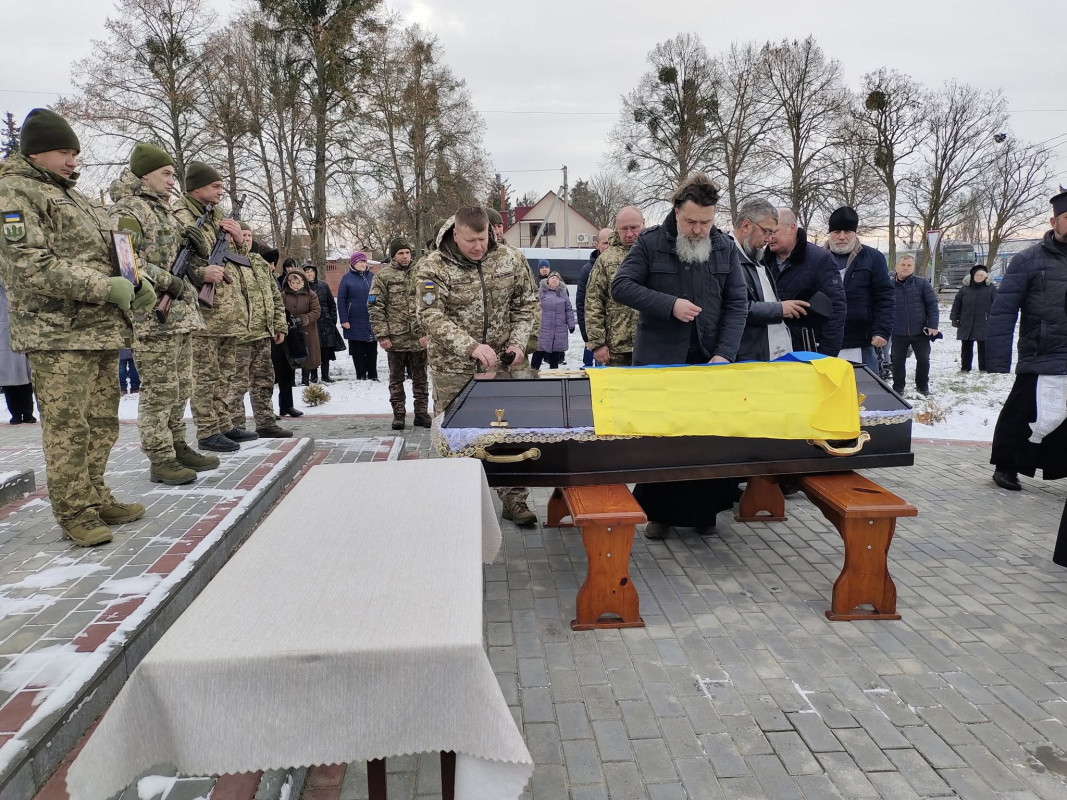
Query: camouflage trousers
(78, 397)
(446, 385)
(254, 376)
(399, 363)
(214, 364)
(166, 367)
(620, 360)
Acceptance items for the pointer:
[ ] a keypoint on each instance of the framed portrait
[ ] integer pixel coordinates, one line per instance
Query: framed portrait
(122, 242)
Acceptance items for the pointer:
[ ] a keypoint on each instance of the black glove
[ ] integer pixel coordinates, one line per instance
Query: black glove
(296, 322)
(198, 240)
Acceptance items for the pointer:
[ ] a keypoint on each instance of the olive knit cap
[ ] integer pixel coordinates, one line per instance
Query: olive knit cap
(398, 244)
(198, 174)
(244, 225)
(494, 216)
(45, 130)
(147, 158)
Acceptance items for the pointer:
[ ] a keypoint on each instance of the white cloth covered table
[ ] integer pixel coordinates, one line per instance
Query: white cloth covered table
(347, 628)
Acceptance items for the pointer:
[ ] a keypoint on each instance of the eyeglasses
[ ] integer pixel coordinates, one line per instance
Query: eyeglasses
(766, 231)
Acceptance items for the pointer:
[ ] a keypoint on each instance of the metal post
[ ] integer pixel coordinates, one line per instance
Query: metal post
(566, 211)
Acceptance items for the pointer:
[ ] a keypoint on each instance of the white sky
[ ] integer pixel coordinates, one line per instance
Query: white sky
(570, 56)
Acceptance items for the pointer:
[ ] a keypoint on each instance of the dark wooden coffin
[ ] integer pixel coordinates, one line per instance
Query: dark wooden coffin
(542, 409)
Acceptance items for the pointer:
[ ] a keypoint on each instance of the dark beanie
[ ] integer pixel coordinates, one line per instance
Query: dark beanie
(198, 174)
(494, 216)
(844, 219)
(398, 244)
(1059, 202)
(147, 158)
(45, 130)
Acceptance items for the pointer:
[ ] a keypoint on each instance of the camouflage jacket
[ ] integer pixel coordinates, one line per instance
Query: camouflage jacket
(157, 238)
(266, 311)
(55, 259)
(392, 308)
(608, 322)
(229, 316)
(462, 304)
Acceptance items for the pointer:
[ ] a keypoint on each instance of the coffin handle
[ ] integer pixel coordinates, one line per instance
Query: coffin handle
(861, 440)
(527, 455)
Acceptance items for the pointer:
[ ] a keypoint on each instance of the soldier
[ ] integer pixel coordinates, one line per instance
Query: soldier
(142, 205)
(611, 325)
(266, 324)
(70, 313)
(215, 362)
(479, 311)
(392, 317)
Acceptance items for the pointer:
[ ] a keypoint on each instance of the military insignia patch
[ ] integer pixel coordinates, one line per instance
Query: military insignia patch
(428, 298)
(14, 226)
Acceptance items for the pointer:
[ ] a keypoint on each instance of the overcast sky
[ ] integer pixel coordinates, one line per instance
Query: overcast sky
(575, 58)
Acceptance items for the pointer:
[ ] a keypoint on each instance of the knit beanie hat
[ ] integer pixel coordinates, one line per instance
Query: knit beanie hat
(147, 158)
(544, 262)
(356, 257)
(494, 216)
(244, 225)
(198, 174)
(45, 130)
(398, 244)
(844, 219)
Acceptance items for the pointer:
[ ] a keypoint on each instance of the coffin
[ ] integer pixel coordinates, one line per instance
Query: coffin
(548, 439)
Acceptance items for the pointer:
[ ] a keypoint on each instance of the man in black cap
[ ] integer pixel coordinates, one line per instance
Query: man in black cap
(868, 290)
(1029, 433)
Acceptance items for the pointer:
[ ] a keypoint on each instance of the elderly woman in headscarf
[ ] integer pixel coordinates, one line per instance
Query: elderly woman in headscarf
(352, 310)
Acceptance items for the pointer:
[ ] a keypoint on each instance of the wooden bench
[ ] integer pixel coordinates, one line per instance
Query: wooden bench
(607, 517)
(865, 514)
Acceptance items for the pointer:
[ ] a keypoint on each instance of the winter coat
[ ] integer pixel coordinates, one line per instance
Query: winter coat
(352, 297)
(392, 309)
(579, 295)
(266, 311)
(970, 310)
(608, 322)
(808, 270)
(869, 297)
(761, 312)
(1035, 283)
(55, 261)
(329, 340)
(557, 319)
(305, 304)
(652, 277)
(14, 367)
(916, 306)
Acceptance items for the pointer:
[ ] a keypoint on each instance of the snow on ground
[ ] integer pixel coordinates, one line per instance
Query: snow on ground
(970, 401)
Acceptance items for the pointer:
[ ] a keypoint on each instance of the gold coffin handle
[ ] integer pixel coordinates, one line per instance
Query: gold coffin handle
(861, 440)
(527, 455)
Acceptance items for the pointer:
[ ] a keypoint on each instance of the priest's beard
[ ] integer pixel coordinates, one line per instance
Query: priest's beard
(692, 252)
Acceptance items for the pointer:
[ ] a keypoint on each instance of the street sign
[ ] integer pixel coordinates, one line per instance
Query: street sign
(932, 239)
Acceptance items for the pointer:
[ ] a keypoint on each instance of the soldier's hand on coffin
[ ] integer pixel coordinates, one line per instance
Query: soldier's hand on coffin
(719, 360)
(485, 355)
(520, 356)
(602, 354)
(878, 341)
(684, 310)
(213, 273)
(386, 344)
(794, 309)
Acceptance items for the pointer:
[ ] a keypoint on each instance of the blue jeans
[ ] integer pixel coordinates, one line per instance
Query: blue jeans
(869, 355)
(128, 370)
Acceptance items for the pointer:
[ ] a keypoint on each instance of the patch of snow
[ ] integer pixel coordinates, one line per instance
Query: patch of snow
(45, 668)
(155, 787)
(56, 576)
(140, 585)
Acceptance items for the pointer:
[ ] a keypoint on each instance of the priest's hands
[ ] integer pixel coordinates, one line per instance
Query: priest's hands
(684, 310)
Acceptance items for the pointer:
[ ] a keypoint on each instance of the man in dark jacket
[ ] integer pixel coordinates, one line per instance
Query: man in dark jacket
(868, 290)
(603, 241)
(685, 280)
(914, 325)
(1029, 434)
(801, 272)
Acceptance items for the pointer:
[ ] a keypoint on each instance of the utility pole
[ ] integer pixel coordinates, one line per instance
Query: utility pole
(566, 211)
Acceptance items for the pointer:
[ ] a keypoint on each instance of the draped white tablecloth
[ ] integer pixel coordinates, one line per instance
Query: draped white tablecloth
(347, 628)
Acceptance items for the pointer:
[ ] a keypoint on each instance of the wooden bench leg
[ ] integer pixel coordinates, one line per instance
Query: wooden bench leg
(557, 510)
(762, 501)
(607, 588)
(376, 779)
(448, 775)
(864, 578)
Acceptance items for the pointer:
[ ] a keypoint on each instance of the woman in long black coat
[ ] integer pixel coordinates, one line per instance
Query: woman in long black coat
(970, 315)
(329, 339)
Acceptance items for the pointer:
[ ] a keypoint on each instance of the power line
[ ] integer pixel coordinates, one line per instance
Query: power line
(554, 113)
(28, 91)
(513, 171)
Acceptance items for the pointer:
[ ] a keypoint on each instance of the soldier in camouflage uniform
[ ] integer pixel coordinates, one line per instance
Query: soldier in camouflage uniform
(391, 304)
(142, 205)
(70, 313)
(496, 222)
(266, 324)
(477, 306)
(610, 325)
(215, 347)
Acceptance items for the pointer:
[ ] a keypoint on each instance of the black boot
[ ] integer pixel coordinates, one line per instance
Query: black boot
(1007, 479)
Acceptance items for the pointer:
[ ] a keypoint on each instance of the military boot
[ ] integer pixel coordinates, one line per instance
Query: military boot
(118, 513)
(87, 532)
(274, 432)
(240, 435)
(199, 462)
(398, 422)
(422, 420)
(171, 472)
(518, 512)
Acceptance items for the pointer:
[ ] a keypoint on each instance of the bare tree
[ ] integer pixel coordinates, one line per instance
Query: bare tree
(1015, 194)
(851, 178)
(958, 126)
(810, 100)
(144, 82)
(888, 111)
(9, 136)
(601, 197)
(665, 131)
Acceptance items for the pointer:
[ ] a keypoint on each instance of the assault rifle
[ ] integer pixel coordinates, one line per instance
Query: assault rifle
(220, 254)
(180, 268)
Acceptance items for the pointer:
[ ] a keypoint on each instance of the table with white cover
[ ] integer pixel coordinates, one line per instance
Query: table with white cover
(347, 628)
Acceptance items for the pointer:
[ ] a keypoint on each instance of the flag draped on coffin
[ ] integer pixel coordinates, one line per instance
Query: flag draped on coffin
(799, 396)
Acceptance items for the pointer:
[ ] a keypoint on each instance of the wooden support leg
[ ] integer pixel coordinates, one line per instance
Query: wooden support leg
(448, 775)
(864, 578)
(762, 501)
(376, 779)
(607, 588)
(557, 510)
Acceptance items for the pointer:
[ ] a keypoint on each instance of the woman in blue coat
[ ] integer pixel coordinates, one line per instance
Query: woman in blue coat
(352, 310)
